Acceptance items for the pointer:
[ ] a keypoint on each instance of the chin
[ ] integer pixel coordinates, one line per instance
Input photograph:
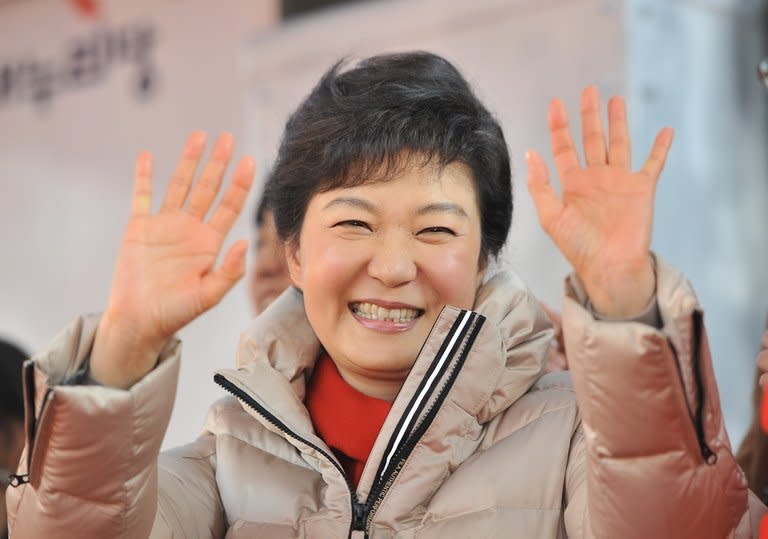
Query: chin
(385, 363)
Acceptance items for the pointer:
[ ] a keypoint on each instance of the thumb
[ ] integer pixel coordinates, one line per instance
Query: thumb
(220, 281)
(655, 162)
(548, 205)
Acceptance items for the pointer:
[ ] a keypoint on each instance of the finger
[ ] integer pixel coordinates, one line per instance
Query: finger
(234, 198)
(141, 202)
(548, 205)
(181, 179)
(220, 281)
(561, 344)
(592, 134)
(566, 159)
(619, 146)
(207, 187)
(555, 361)
(552, 314)
(655, 162)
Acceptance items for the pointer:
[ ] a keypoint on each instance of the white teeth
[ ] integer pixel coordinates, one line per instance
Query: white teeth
(376, 312)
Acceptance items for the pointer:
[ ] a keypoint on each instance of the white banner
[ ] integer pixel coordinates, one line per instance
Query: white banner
(85, 86)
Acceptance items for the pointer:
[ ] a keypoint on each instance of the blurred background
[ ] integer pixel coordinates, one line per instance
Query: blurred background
(87, 84)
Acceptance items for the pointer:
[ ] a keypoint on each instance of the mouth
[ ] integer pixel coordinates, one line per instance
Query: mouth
(395, 314)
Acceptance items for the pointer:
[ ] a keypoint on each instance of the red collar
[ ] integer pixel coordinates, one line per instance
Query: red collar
(347, 420)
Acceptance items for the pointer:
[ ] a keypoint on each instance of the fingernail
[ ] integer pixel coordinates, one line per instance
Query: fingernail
(198, 138)
(144, 164)
(222, 148)
(227, 138)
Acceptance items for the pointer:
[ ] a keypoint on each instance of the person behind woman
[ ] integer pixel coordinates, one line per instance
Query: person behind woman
(400, 392)
(753, 451)
(269, 273)
(11, 418)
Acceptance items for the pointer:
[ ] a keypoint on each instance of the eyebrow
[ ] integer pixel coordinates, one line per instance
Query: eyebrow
(353, 202)
(442, 207)
(436, 207)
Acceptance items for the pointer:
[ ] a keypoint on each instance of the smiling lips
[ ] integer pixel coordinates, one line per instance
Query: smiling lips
(385, 319)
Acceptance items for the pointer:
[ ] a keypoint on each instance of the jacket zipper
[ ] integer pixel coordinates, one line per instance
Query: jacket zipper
(696, 417)
(381, 487)
(16, 480)
(710, 457)
(363, 513)
(359, 510)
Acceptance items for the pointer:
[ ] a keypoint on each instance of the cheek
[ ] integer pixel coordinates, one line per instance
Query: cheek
(330, 262)
(452, 274)
(329, 271)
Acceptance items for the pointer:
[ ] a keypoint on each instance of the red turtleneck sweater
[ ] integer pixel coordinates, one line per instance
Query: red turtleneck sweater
(347, 420)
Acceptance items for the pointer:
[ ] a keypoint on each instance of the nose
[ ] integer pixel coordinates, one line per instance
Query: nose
(392, 262)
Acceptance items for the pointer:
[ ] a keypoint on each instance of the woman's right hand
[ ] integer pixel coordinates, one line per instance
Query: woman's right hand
(165, 275)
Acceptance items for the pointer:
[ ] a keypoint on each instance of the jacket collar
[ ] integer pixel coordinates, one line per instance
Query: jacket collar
(278, 351)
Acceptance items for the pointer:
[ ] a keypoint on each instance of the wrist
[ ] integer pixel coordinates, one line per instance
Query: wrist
(621, 293)
(121, 355)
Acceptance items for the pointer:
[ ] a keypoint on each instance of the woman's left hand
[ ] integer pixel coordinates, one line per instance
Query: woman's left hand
(602, 222)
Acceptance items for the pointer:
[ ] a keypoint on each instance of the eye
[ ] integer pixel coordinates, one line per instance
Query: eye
(353, 223)
(437, 230)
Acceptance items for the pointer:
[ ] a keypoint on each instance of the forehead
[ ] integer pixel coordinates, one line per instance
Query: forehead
(412, 182)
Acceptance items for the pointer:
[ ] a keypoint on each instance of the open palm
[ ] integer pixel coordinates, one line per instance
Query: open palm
(165, 274)
(602, 222)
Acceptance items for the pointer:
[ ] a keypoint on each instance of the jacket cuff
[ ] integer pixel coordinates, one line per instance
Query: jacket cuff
(90, 441)
(82, 376)
(650, 315)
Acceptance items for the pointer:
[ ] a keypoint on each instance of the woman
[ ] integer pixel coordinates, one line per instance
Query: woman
(396, 391)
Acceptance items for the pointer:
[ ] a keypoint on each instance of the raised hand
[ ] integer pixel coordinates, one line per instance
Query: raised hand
(602, 222)
(166, 272)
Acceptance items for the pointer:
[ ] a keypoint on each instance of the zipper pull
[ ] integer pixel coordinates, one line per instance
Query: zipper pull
(710, 457)
(17, 480)
(359, 516)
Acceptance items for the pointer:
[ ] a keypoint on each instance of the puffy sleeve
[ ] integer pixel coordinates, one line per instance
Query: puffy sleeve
(654, 460)
(90, 464)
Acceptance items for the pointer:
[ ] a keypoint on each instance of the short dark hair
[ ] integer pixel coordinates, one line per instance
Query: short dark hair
(357, 124)
(11, 397)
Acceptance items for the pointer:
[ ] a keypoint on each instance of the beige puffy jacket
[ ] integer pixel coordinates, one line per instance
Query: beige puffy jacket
(477, 444)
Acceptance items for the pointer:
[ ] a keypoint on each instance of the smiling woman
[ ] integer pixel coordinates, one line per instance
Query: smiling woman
(378, 262)
(397, 390)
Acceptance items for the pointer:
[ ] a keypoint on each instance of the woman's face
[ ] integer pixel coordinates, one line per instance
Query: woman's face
(377, 263)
